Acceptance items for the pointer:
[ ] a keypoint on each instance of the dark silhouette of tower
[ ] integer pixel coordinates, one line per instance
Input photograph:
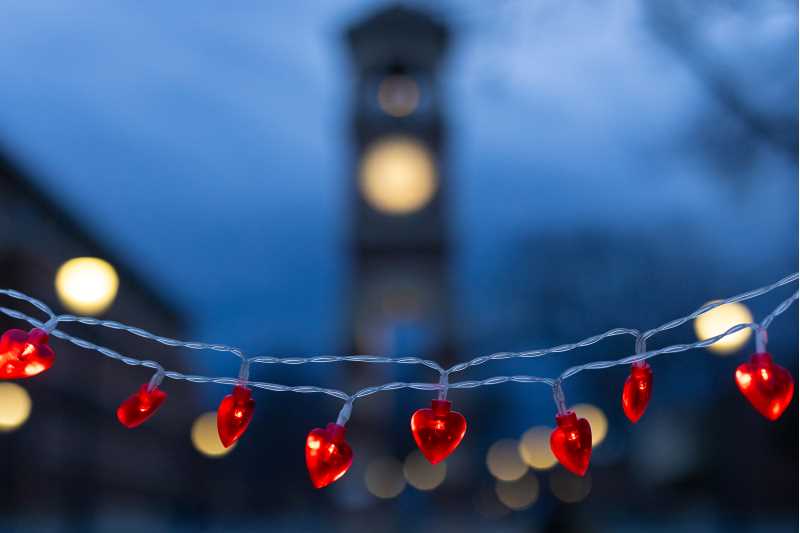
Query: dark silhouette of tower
(399, 234)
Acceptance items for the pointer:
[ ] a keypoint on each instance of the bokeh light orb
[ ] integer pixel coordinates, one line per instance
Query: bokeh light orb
(422, 475)
(205, 436)
(568, 487)
(520, 494)
(597, 420)
(398, 96)
(721, 319)
(86, 285)
(15, 406)
(504, 462)
(398, 176)
(384, 477)
(534, 448)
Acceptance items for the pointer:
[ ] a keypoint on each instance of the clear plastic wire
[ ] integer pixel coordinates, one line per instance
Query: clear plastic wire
(441, 386)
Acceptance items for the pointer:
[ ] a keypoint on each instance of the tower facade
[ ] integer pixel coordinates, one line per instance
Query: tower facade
(399, 225)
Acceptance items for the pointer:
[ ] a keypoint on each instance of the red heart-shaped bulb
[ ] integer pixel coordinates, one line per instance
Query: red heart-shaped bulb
(140, 406)
(571, 442)
(234, 414)
(637, 390)
(328, 456)
(23, 355)
(768, 387)
(438, 430)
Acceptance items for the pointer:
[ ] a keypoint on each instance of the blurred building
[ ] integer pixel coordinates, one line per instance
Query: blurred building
(72, 457)
(400, 237)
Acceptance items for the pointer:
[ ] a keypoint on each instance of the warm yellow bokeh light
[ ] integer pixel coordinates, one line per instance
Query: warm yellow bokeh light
(384, 477)
(504, 462)
(520, 494)
(15, 406)
(597, 420)
(398, 96)
(86, 285)
(422, 475)
(534, 448)
(720, 320)
(205, 436)
(398, 176)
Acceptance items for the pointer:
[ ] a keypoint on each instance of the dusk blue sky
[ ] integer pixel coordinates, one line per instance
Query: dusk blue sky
(206, 144)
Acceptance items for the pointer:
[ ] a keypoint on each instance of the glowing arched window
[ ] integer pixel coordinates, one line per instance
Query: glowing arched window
(398, 175)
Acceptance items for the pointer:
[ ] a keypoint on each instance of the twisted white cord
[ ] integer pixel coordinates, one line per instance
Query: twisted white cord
(442, 386)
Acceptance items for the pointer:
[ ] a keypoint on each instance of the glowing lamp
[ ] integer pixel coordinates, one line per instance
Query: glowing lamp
(140, 406)
(24, 354)
(234, 414)
(637, 391)
(328, 456)
(571, 442)
(438, 430)
(767, 386)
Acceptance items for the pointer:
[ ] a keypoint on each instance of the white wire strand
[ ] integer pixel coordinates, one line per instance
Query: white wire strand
(441, 386)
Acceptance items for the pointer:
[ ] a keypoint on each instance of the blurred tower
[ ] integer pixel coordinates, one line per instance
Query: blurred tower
(400, 239)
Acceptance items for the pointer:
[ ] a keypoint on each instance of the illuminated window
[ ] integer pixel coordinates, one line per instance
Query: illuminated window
(398, 96)
(398, 176)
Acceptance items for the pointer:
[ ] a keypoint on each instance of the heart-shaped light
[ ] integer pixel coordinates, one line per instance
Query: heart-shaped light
(637, 390)
(24, 355)
(571, 442)
(438, 430)
(328, 456)
(234, 414)
(140, 406)
(768, 387)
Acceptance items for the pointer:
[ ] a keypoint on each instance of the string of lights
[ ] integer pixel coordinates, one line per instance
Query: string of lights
(437, 430)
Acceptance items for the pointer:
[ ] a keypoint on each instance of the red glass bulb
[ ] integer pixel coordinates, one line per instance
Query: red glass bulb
(140, 406)
(24, 355)
(234, 414)
(767, 386)
(571, 442)
(328, 456)
(637, 390)
(438, 430)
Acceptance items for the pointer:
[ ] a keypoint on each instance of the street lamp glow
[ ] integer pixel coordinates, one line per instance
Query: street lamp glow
(15, 406)
(398, 176)
(721, 319)
(86, 285)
